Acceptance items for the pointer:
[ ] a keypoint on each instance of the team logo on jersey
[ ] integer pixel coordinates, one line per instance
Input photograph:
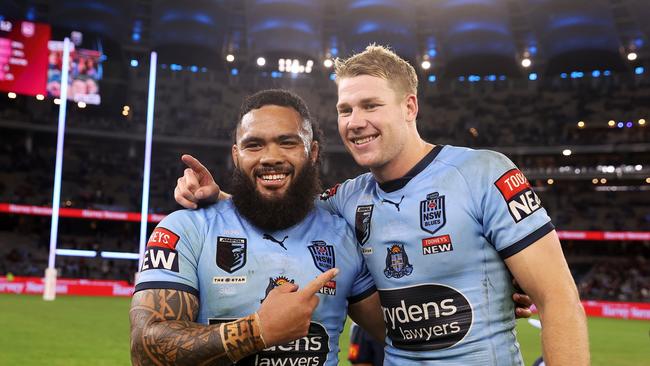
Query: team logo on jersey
(275, 282)
(436, 244)
(322, 254)
(432, 213)
(231, 253)
(397, 262)
(518, 194)
(330, 192)
(362, 223)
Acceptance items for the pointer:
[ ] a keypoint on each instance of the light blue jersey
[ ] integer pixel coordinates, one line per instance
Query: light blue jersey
(434, 242)
(231, 266)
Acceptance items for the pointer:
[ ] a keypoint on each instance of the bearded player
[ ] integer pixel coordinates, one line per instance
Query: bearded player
(205, 272)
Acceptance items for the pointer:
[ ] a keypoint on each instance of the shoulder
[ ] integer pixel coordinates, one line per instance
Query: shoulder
(475, 163)
(349, 188)
(329, 221)
(197, 218)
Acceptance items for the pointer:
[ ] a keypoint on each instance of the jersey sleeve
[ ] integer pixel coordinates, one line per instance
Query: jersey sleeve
(330, 200)
(172, 252)
(336, 198)
(512, 214)
(363, 285)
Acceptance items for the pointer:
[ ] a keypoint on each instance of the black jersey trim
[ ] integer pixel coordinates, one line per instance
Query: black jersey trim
(356, 298)
(399, 183)
(528, 240)
(167, 286)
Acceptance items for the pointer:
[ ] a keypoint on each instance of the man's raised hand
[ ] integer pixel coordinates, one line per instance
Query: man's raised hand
(196, 185)
(286, 312)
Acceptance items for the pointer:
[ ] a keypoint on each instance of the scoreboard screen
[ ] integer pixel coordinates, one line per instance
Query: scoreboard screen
(23, 56)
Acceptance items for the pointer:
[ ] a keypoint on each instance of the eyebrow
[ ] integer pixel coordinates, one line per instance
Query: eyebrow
(284, 137)
(362, 101)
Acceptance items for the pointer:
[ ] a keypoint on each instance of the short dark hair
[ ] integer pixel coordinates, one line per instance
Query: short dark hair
(282, 98)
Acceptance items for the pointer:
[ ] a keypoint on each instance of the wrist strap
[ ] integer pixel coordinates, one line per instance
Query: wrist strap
(242, 337)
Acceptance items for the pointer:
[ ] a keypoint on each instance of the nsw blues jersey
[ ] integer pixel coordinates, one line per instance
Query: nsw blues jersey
(434, 242)
(231, 266)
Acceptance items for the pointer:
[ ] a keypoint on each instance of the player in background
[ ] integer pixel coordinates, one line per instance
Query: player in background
(364, 350)
(205, 272)
(442, 229)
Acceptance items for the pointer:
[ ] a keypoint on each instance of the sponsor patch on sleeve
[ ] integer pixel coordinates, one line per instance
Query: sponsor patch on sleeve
(160, 258)
(161, 251)
(163, 238)
(518, 194)
(330, 192)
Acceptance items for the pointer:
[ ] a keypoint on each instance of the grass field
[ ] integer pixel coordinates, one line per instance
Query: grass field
(94, 331)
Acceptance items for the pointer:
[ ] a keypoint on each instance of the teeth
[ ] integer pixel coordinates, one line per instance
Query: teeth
(273, 176)
(364, 140)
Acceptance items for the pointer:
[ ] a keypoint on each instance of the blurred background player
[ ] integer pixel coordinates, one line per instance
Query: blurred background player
(364, 350)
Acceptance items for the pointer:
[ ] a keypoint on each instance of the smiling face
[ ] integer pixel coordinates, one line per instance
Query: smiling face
(374, 122)
(272, 148)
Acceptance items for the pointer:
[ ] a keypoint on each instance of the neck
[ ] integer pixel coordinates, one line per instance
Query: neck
(396, 168)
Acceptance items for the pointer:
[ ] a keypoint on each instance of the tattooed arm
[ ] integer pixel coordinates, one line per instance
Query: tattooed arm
(163, 331)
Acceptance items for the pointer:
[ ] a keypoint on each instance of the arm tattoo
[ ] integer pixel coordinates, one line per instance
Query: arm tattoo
(163, 332)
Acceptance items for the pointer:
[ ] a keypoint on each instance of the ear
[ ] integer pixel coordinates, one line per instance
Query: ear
(411, 107)
(235, 154)
(315, 148)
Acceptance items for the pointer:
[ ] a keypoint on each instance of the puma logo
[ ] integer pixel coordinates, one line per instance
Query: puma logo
(280, 243)
(396, 204)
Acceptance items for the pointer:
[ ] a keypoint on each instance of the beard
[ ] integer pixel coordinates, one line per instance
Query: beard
(278, 213)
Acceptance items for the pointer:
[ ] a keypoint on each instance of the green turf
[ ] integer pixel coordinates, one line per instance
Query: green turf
(68, 331)
(613, 342)
(94, 331)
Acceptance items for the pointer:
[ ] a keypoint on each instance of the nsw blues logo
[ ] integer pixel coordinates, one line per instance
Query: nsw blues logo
(432, 213)
(322, 254)
(397, 262)
(362, 223)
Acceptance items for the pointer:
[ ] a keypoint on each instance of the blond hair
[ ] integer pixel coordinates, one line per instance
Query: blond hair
(381, 62)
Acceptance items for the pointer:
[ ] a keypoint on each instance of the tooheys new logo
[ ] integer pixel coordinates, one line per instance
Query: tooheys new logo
(311, 350)
(161, 251)
(519, 195)
(426, 317)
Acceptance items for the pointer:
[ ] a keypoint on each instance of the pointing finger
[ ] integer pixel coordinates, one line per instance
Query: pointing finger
(195, 165)
(320, 281)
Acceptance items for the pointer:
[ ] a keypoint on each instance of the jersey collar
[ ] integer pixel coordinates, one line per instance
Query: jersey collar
(399, 183)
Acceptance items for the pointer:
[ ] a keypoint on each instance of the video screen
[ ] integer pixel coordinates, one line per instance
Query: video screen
(23, 56)
(83, 77)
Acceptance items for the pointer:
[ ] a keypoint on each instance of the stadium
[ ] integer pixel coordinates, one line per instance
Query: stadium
(561, 87)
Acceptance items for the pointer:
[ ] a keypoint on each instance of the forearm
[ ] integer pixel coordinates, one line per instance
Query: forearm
(564, 333)
(164, 334)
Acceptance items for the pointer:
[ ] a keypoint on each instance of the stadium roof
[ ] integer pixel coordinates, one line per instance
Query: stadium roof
(460, 36)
